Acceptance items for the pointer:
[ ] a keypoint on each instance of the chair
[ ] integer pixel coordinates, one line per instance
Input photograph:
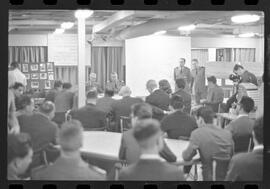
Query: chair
(188, 165)
(118, 166)
(220, 167)
(125, 123)
(243, 143)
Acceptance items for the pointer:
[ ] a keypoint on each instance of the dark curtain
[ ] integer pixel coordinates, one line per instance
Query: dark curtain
(27, 54)
(105, 60)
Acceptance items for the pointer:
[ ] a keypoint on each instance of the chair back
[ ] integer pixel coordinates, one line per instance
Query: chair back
(220, 167)
(125, 123)
(243, 143)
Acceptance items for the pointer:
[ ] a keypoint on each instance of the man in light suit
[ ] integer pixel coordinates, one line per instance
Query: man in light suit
(69, 166)
(129, 149)
(150, 166)
(183, 72)
(115, 83)
(93, 84)
(241, 128)
(198, 81)
(249, 166)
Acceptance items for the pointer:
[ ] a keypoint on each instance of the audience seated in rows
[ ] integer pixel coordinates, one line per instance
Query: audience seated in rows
(26, 105)
(178, 124)
(150, 165)
(89, 115)
(241, 128)
(129, 149)
(210, 140)
(105, 103)
(158, 99)
(69, 166)
(249, 166)
(180, 86)
(165, 86)
(63, 102)
(122, 107)
(57, 87)
(19, 155)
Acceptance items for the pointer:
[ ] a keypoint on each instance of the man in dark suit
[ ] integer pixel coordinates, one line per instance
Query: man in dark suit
(178, 124)
(150, 166)
(183, 72)
(123, 107)
(90, 116)
(56, 89)
(241, 128)
(105, 103)
(246, 76)
(180, 84)
(158, 99)
(209, 140)
(69, 166)
(249, 166)
(129, 149)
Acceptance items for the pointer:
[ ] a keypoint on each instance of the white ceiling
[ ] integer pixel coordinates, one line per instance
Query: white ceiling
(128, 24)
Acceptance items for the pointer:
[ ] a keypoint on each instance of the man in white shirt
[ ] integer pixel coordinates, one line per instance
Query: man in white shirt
(15, 75)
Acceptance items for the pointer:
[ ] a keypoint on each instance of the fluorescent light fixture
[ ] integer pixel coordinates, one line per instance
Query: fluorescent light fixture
(247, 18)
(83, 13)
(67, 25)
(247, 35)
(59, 31)
(160, 32)
(187, 28)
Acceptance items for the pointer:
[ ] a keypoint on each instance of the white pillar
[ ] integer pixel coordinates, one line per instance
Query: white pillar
(81, 62)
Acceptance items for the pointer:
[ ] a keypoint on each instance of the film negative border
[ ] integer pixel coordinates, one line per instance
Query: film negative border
(261, 5)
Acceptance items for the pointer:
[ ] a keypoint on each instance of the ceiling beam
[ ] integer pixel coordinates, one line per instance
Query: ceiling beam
(113, 20)
(44, 22)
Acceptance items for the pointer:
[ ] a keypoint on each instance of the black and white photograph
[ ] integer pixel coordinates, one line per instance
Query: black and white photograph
(43, 75)
(25, 68)
(27, 75)
(138, 95)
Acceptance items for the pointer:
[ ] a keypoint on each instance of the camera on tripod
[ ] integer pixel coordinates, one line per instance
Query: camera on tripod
(235, 78)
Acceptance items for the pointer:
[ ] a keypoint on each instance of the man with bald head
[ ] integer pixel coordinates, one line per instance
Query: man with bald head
(122, 107)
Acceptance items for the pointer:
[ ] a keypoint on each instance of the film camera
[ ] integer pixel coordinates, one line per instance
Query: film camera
(235, 78)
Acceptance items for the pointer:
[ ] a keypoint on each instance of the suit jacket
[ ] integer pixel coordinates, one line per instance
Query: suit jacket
(115, 85)
(159, 98)
(105, 104)
(246, 167)
(210, 141)
(63, 101)
(178, 124)
(248, 77)
(215, 95)
(90, 85)
(198, 80)
(90, 116)
(151, 170)
(185, 74)
(67, 169)
(130, 150)
(187, 99)
(40, 128)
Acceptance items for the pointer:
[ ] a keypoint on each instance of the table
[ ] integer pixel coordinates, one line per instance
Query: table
(106, 145)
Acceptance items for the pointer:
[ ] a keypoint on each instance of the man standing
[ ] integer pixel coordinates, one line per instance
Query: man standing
(246, 76)
(115, 83)
(198, 81)
(183, 72)
(15, 75)
(93, 84)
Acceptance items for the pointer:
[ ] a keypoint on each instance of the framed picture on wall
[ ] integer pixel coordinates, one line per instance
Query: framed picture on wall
(34, 67)
(34, 76)
(43, 75)
(50, 67)
(34, 84)
(42, 67)
(24, 67)
(47, 84)
(50, 76)
(27, 76)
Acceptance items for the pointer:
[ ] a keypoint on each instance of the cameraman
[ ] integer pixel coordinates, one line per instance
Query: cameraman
(246, 76)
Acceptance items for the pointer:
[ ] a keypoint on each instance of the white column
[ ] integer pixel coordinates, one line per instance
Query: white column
(81, 62)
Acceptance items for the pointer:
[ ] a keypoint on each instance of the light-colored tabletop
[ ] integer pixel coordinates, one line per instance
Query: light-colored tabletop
(106, 145)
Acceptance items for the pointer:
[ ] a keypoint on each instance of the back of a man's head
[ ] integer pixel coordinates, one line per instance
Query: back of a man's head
(92, 94)
(180, 83)
(206, 113)
(141, 110)
(67, 85)
(147, 133)
(237, 67)
(258, 130)
(14, 65)
(151, 84)
(57, 84)
(125, 91)
(71, 136)
(17, 85)
(47, 107)
(247, 104)
(177, 102)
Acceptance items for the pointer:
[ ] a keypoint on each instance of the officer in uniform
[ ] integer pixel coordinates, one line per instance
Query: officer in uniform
(183, 72)
(93, 84)
(198, 81)
(115, 83)
(246, 76)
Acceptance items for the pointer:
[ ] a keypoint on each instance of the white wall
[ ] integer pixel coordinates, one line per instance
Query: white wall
(230, 42)
(27, 40)
(154, 57)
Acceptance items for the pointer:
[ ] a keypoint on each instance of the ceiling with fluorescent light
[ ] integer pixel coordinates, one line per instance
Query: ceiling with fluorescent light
(122, 25)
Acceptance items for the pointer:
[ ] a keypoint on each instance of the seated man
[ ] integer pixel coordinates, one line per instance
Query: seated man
(26, 105)
(241, 128)
(150, 166)
(57, 87)
(69, 166)
(93, 84)
(249, 166)
(90, 116)
(180, 84)
(105, 103)
(115, 83)
(215, 94)
(178, 124)
(209, 140)
(129, 149)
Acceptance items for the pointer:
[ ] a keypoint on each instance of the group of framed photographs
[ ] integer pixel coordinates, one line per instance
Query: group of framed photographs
(38, 75)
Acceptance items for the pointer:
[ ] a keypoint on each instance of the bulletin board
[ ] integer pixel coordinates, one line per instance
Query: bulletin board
(39, 75)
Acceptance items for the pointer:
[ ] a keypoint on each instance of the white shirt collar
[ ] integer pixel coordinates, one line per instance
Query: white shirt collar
(258, 147)
(151, 156)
